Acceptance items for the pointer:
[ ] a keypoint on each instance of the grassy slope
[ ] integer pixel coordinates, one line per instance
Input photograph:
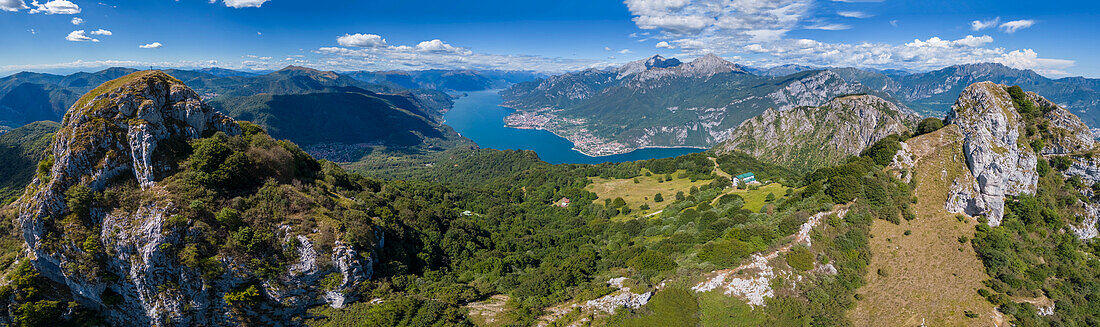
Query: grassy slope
(642, 193)
(929, 276)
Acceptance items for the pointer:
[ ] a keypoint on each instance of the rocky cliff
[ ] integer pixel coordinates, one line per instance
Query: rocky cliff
(997, 155)
(101, 223)
(1004, 136)
(807, 138)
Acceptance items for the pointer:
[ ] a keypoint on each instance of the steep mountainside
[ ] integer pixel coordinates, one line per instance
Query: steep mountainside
(143, 186)
(350, 117)
(293, 103)
(808, 138)
(446, 80)
(1019, 167)
(27, 97)
(20, 150)
(668, 104)
(931, 93)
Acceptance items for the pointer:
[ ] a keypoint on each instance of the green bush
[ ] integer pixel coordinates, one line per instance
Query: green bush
(800, 258)
(244, 297)
(929, 125)
(651, 262)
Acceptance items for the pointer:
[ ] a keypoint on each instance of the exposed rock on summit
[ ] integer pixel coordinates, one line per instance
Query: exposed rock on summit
(998, 159)
(128, 136)
(812, 137)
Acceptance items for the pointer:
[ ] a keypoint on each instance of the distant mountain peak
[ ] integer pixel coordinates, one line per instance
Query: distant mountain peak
(638, 66)
(711, 64)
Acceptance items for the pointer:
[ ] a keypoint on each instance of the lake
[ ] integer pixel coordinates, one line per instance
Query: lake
(479, 117)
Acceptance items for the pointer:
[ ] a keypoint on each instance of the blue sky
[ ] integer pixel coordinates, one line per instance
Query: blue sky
(1055, 38)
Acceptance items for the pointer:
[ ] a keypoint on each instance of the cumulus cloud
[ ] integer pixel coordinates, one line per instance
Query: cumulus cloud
(80, 36)
(242, 3)
(664, 45)
(361, 40)
(1013, 26)
(760, 29)
(438, 46)
(854, 14)
(437, 54)
(13, 5)
(936, 42)
(154, 45)
(58, 7)
(979, 25)
(625, 51)
(77, 21)
(102, 32)
(1028, 59)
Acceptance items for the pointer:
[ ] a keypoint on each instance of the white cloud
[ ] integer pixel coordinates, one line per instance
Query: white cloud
(664, 45)
(13, 5)
(361, 40)
(77, 21)
(936, 42)
(154, 45)
(437, 54)
(1013, 26)
(439, 47)
(60, 7)
(625, 51)
(858, 1)
(972, 41)
(830, 27)
(755, 48)
(979, 25)
(606, 48)
(1028, 59)
(242, 3)
(102, 32)
(79, 36)
(854, 14)
(759, 28)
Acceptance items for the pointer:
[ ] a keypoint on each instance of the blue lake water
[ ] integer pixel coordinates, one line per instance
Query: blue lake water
(479, 117)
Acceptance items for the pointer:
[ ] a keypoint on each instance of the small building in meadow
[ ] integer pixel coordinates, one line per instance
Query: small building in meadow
(564, 202)
(747, 178)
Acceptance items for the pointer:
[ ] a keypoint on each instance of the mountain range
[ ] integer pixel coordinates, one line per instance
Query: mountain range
(668, 103)
(147, 205)
(664, 102)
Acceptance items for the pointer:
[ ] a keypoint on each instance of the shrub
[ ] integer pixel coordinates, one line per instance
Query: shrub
(229, 217)
(244, 297)
(79, 200)
(658, 198)
(800, 258)
(651, 261)
(929, 125)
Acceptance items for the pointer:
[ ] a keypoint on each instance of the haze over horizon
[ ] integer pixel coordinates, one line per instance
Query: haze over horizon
(1052, 38)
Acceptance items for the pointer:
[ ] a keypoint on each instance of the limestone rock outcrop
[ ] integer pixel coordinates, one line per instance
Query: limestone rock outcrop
(999, 160)
(812, 137)
(132, 131)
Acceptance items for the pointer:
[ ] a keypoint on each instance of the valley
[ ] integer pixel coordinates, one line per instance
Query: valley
(856, 214)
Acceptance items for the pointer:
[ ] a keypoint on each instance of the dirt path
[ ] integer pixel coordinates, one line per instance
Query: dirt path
(753, 279)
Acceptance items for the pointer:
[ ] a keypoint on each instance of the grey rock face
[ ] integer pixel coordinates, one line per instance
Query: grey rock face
(122, 131)
(991, 128)
(815, 136)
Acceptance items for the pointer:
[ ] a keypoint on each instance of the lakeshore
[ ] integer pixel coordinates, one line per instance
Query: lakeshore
(479, 117)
